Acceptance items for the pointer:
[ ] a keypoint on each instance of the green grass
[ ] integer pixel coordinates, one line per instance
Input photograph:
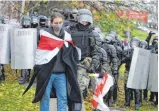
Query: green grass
(140, 34)
(136, 33)
(11, 98)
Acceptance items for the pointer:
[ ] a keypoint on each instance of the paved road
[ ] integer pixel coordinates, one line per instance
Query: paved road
(116, 109)
(53, 107)
(149, 29)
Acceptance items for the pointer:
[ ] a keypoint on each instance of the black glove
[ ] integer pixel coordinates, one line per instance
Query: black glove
(100, 75)
(114, 72)
(151, 33)
(91, 70)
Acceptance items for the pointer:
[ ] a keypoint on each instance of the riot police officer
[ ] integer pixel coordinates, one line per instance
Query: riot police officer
(153, 48)
(127, 57)
(34, 22)
(81, 34)
(2, 75)
(143, 44)
(42, 24)
(113, 66)
(48, 22)
(1, 20)
(82, 31)
(99, 62)
(25, 73)
(42, 21)
(72, 18)
(117, 43)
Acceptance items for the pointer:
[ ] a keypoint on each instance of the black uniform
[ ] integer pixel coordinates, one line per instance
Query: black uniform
(113, 68)
(71, 20)
(127, 57)
(25, 73)
(81, 36)
(42, 25)
(2, 75)
(154, 49)
(99, 62)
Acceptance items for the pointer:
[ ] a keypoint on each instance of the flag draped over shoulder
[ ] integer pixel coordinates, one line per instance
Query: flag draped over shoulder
(102, 87)
(50, 45)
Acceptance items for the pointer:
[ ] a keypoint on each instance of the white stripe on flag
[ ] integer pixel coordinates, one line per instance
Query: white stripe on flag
(47, 34)
(99, 99)
(44, 56)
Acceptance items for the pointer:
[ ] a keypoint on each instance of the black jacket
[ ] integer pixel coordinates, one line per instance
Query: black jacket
(43, 73)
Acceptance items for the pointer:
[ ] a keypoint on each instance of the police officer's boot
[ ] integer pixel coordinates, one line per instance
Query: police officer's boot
(85, 93)
(2, 76)
(156, 102)
(131, 95)
(28, 74)
(115, 94)
(23, 78)
(140, 97)
(74, 106)
(110, 97)
(115, 91)
(137, 99)
(145, 94)
(106, 97)
(151, 97)
(127, 96)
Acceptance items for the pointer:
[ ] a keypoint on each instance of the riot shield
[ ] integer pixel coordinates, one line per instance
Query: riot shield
(5, 43)
(139, 69)
(153, 74)
(23, 48)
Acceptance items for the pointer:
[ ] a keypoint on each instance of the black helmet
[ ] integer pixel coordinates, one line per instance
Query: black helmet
(155, 48)
(97, 29)
(35, 14)
(66, 13)
(48, 22)
(119, 42)
(111, 35)
(134, 41)
(26, 22)
(34, 21)
(42, 20)
(155, 40)
(85, 15)
(108, 39)
(143, 44)
(113, 32)
(95, 41)
(1, 20)
(73, 11)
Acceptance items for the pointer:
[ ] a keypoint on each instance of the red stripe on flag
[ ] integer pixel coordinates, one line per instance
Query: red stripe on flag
(94, 103)
(47, 43)
(99, 89)
(71, 42)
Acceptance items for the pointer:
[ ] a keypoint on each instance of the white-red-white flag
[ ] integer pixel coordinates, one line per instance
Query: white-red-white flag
(50, 45)
(102, 87)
